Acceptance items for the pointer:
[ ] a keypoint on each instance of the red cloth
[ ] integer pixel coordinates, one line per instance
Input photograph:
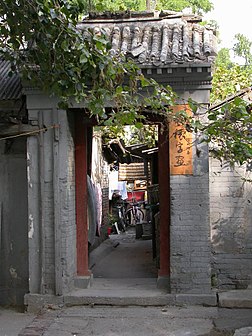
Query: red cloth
(135, 195)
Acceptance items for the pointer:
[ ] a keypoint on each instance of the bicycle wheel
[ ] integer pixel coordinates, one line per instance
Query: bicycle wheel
(139, 215)
(121, 222)
(129, 217)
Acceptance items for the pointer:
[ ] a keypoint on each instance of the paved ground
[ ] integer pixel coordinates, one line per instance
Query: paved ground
(11, 321)
(125, 273)
(140, 321)
(130, 258)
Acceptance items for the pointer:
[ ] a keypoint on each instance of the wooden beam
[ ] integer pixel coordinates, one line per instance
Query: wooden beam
(164, 200)
(81, 195)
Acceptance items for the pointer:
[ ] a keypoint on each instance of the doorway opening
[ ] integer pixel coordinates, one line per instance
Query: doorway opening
(143, 241)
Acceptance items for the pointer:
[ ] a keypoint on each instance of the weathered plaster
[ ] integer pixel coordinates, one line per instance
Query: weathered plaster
(51, 193)
(31, 227)
(231, 226)
(14, 219)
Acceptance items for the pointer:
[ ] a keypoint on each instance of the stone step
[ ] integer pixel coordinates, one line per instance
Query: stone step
(236, 299)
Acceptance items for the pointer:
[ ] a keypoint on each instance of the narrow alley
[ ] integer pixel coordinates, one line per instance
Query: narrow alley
(123, 269)
(129, 258)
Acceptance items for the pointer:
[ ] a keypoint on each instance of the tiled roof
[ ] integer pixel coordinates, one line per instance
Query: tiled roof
(158, 41)
(10, 86)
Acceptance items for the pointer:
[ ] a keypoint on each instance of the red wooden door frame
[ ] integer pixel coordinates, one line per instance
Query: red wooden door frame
(164, 207)
(81, 201)
(81, 195)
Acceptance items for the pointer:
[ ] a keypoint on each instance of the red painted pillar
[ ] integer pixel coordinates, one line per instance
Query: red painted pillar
(81, 195)
(164, 204)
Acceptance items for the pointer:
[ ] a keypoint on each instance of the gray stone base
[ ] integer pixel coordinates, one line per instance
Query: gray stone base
(83, 281)
(36, 302)
(163, 283)
(197, 299)
(121, 301)
(236, 298)
(243, 332)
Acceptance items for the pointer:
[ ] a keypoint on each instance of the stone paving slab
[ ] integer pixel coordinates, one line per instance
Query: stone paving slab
(40, 324)
(113, 321)
(140, 321)
(236, 298)
(12, 321)
(244, 332)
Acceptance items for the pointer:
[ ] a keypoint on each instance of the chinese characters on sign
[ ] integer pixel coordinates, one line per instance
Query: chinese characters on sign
(180, 147)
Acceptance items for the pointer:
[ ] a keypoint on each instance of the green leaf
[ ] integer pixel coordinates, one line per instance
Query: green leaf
(193, 105)
(83, 59)
(119, 89)
(144, 82)
(212, 116)
(65, 45)
(138, 125)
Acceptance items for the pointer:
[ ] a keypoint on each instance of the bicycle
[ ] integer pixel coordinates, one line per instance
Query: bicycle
(134, 215)
(120, 214)
(118, 210)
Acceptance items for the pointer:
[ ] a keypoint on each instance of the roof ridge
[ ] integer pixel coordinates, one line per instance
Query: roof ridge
(108, 16)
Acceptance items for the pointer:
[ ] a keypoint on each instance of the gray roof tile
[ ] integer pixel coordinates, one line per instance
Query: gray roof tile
(10, 86)
(158, 41)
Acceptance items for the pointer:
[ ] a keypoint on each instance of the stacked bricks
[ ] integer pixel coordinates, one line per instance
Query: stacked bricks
(190, 250)
(231, 225)
(190, 231)
(67, 199)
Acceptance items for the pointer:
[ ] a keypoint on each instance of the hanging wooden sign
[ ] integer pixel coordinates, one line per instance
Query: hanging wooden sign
(181, 158)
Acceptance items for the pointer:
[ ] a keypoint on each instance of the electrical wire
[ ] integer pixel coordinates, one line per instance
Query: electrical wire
(29, 133)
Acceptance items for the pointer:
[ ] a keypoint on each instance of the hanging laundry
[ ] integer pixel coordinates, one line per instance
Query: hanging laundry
(116, 186)
(98, 194)
(92, 211)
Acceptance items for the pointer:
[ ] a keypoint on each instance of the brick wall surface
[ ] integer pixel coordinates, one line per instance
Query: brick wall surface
(52, 205)
(231, 226)
(105, 205)
(190, 232)
(190, 251)
(13, 222)
(49, 253)
(67, 197)
(46, 164)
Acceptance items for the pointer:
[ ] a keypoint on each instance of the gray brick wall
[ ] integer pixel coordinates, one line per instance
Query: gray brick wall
(45, 159)
(190, 233)
(67, 198)
(51, 196)
(231, 226)
(49, 270)
(105, 206)
(13, 222)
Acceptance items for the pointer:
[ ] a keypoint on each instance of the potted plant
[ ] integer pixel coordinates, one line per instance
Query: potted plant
(111, 222)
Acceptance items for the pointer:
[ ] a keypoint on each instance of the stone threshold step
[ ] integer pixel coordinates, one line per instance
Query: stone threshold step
(36, 302)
